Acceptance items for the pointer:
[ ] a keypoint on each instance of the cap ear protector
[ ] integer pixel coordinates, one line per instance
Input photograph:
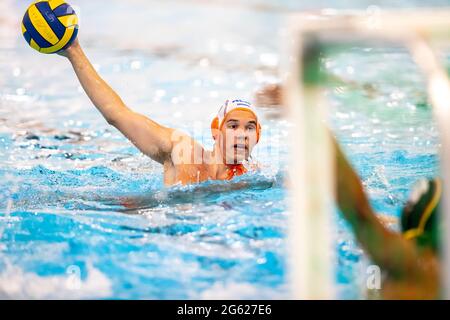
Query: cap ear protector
(418, 218)
(215, 128)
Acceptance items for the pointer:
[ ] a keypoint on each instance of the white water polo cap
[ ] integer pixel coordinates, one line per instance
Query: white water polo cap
(229, 106)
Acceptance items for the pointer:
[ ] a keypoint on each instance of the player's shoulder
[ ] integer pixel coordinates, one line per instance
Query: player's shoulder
(186, 150)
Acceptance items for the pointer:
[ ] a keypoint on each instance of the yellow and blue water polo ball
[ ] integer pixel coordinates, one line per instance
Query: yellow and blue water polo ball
(50, 26)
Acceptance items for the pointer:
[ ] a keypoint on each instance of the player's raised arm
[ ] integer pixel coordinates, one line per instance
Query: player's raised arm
(148, 136)
(388, 249)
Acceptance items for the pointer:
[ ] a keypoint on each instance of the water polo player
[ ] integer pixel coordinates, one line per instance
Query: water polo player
(410, 260)
(51, 26)
(235, 129)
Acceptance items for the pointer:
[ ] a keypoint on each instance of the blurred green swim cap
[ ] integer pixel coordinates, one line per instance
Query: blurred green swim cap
(419, 218)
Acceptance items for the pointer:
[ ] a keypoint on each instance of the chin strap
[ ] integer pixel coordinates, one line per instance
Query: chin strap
(235, 170)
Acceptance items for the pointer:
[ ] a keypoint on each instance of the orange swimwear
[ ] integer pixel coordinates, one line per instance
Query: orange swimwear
(235, 170)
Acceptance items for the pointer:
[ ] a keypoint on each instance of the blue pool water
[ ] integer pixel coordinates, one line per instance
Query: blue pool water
(65, 174)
